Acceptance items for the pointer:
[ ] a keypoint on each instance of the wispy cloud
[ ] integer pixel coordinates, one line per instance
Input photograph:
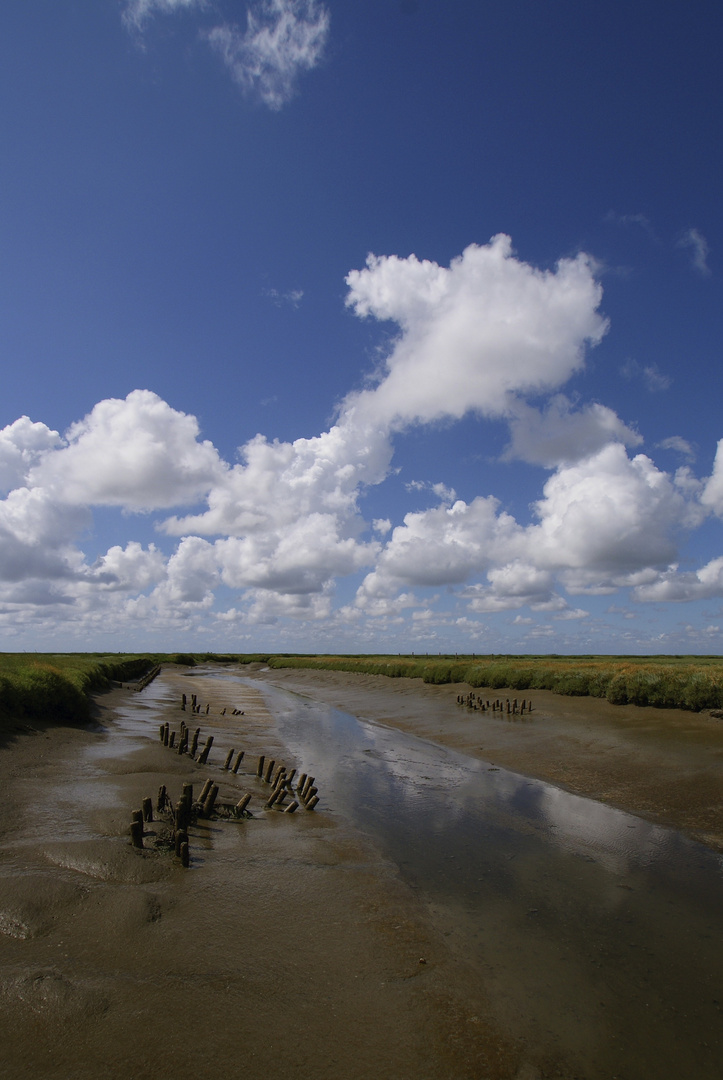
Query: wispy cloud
(137, 12)
(655, 380)
(679, 445)
(292, 297)
(282, 39)
(694, 240)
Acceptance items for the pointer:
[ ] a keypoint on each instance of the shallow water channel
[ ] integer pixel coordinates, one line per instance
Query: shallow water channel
(596, 934)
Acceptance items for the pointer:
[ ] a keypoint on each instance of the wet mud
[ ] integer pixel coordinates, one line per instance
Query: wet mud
(327, 944)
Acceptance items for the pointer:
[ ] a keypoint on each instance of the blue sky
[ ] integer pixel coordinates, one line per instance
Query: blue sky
(391, 326)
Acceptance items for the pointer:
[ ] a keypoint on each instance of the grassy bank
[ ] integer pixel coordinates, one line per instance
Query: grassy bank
(56, 687)
(685, 682)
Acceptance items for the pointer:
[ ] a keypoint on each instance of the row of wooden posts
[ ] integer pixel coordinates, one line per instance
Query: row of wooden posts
(473, 701)
(187, 810)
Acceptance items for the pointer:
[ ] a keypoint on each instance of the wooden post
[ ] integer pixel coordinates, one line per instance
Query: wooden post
(147, 807)
(183, 702)
(269, 770)
(162, 796)
(291, 808)
(210, 801)
(309, 782)
(281, 771)
(188, 792)
(136, 831)
(206, 751)
(181, 837)
(312, 803)
(162, 731)
(242, 804)
(194, 743)
(185, 855)
(165, 733)
(237, 762)
(229, 755)
(260, 769)
(204, 791)
(171, 740)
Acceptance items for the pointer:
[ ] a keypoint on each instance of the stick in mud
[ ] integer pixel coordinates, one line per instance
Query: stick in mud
(237, 762)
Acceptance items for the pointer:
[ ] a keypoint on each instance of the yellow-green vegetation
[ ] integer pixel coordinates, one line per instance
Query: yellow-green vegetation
(55, 687)
(682, 682)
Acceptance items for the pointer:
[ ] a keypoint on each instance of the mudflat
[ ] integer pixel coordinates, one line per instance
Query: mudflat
(665, 765)
(290, 944)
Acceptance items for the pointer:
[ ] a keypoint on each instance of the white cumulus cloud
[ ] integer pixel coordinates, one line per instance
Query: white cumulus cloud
(487, 327)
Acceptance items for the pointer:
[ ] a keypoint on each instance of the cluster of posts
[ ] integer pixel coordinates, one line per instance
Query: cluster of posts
(188, 810)
(474, 701)
(282, 786)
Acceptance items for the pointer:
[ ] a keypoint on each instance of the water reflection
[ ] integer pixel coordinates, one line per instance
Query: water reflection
(596, 930)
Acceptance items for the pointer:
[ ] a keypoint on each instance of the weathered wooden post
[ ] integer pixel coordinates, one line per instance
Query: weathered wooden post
(183, 702)
(269, 770)
(136, 831)
(210, 801)
(162, 731)
(171, 740)
(166, 730)
(194, 742)
(204, 792)
(229, 755)
(181, 837)
(242, 804)
(147, 807)
(312, 803)
(185, 855)
(260, 767)
(203, 758)
(291, 808)
(237, 762)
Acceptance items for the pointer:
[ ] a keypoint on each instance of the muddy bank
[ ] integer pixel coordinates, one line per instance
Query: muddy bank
(289, 944)
(664, 765)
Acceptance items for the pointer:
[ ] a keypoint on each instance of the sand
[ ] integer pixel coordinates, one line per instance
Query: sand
(290, 945)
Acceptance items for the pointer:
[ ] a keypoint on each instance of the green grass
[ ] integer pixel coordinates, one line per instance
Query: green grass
(56, 687)
(682, 682)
